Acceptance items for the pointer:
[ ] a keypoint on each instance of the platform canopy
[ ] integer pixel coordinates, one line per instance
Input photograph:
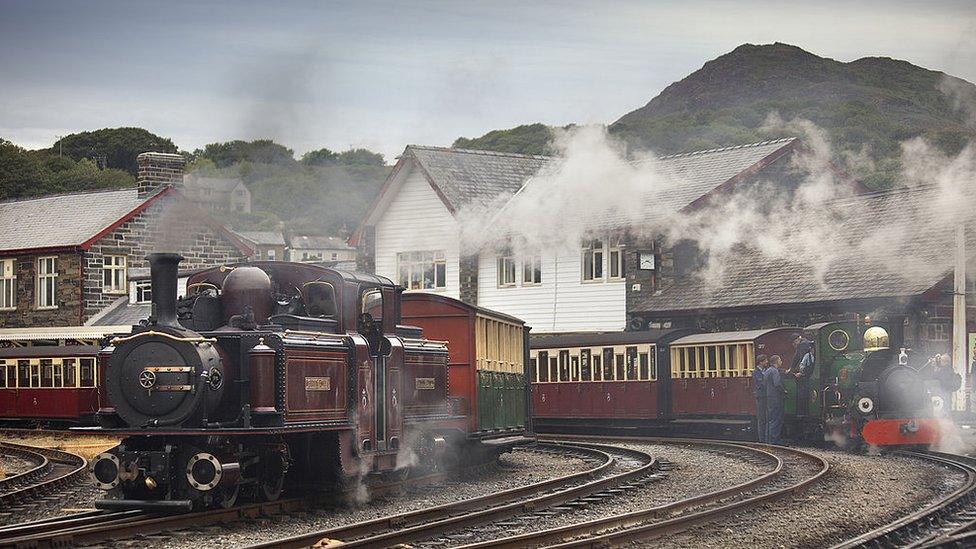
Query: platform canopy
(58, 335)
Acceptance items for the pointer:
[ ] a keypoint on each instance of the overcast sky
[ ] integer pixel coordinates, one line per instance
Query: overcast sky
(385, 74)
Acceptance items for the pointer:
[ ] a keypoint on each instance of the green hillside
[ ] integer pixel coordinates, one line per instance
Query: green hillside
(873, 102)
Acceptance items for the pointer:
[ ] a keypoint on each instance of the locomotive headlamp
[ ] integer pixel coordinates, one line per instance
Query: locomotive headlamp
(105, 471)
(865, 405)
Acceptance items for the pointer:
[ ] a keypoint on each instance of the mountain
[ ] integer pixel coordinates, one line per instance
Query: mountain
(873, 102)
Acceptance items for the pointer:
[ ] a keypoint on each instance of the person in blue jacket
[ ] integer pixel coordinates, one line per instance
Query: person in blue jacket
(775, 395)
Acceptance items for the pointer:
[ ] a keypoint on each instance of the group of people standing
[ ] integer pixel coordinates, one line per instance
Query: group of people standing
(767, 382)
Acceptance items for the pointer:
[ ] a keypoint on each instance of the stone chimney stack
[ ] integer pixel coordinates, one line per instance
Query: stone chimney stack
(158, 169)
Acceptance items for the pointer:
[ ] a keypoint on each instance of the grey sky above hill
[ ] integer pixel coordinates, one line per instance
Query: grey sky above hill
(384, 74)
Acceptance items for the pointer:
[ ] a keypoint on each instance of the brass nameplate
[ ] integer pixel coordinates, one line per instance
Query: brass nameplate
(169, 369)
(318, 383)
(425, 383)
(173, 388)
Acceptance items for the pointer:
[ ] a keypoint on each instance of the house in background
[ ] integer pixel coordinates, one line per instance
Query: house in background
(217, 194)
(330, 251)
(411, 234)
(267, 245)
(65, 259)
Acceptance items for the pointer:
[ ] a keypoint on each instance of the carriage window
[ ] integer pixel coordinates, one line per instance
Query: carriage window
(543, 362)
(35, 375)
(57, 374)
(68, 365)
(711, 362)
(608, 364)
(585, 373)
(535, 373)
(692, 362)
(553, 369)
(563, 365)
(597, 368)
(47, 373)
(645, 373)
(87, 376)
(11, 375)
(3, 374)
(23, 373)
(574, 370)
(621, 371)
(632, 363)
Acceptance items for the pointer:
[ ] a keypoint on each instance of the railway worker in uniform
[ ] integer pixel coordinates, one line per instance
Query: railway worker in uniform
(759, 391)
(802, 368)
(775, 395)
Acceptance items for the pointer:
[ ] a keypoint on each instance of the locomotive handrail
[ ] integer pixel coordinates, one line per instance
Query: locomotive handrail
(166, 335)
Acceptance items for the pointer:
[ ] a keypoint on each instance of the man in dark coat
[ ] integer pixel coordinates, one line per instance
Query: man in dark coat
(759, 391)
(775, 394)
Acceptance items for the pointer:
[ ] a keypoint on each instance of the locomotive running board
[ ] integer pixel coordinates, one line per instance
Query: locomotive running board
(176, 505)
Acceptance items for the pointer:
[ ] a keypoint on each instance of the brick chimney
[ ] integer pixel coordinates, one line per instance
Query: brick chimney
(158, 169)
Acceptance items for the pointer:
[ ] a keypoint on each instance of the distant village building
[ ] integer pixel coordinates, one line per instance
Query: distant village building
(411, 234)
(217, 194)
(268, 245)
(66, 259)
(326, 250)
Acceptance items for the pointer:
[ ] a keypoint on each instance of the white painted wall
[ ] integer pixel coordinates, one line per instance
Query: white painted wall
(416, 220)
(562, 303)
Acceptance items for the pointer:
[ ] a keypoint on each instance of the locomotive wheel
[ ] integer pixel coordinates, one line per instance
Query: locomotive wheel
(228, 498)
(271, 481)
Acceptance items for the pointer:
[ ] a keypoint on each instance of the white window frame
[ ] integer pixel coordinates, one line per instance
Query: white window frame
(532, 270)
(8, 284)
(505, 266)
(595, 258)
(615, 258)
(412, 266)
(270, 255)
(115, 266)
(142, 286)
(42, 276)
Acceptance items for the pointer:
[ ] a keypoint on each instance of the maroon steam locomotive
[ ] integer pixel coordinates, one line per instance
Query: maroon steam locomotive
(272, 373)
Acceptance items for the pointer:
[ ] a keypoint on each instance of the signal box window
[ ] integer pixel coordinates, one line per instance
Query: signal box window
(8, 284)
(113, 274)
(616, 257)
(593, 259)
(47, 283)
(143, 291)
(422, 270)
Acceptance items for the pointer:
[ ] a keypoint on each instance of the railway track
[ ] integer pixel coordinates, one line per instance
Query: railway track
(102, 526)
(790, 472)
(615, 469)
(948, 522)
(53, 470)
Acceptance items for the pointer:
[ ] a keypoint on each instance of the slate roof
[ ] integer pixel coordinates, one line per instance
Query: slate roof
(465, 176)
(318, 243)
(124, 314)
(264, 238)
(62, 220)
(219, 184)
(894, 245)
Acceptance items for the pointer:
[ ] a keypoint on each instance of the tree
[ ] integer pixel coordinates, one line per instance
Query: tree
(20, 173)
(259, 151)
(112, 147)
(320, 157)
(363, 157)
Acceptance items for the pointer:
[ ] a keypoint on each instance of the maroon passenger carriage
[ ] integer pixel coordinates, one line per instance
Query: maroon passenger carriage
(48, 385)
(273, 374)
(672, 382)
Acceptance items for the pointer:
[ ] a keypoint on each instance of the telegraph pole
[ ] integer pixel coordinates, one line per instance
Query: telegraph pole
(960, 342)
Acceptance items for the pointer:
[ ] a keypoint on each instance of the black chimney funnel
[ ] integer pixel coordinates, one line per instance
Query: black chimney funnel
(164, 269)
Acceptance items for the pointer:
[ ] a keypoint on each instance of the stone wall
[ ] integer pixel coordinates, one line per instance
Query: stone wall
(468, 277)
(157, 169)
(169, 224)
(69, 294)
(366, 250)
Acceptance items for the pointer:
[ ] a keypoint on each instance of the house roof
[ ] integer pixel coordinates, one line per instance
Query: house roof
(123, 313)
(220, 184)
(78, 220)
(265, 238)
(318, 243)
(461, 177)
(66, 220)
(893, 245)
